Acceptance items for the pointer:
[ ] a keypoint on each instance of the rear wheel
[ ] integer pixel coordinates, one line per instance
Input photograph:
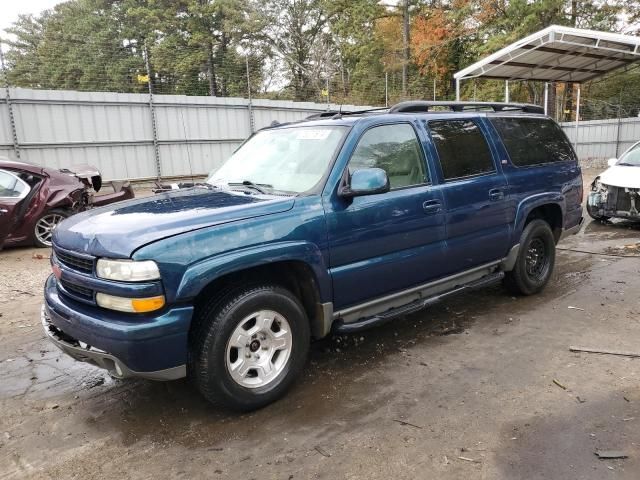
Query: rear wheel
(536, 259)
(44, 226)
(248, 346)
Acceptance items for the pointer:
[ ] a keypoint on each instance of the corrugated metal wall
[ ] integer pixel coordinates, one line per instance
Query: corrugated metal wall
(113, 131)
(599, 140)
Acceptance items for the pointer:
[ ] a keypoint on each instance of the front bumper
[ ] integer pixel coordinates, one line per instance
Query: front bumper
(153, 347)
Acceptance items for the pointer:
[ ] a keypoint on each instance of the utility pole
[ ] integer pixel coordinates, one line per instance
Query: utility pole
(252, 123)
(386, 89)
(154, 125)
(12, 119)
(405, 45)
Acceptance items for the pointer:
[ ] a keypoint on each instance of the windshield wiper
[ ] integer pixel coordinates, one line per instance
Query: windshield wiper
(248, 183)
(625, 164)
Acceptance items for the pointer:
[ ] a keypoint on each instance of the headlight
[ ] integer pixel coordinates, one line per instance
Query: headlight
(127, 270)
(131, 305)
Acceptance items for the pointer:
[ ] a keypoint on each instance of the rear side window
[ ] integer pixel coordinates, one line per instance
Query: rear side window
(11, 186)
(533, 141)
(395, 149)
(462, 148)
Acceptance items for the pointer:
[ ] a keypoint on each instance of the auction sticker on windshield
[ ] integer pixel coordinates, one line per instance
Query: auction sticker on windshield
(308, 134)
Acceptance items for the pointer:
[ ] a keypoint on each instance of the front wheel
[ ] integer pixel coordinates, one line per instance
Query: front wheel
(248, 346)
(44, 226)
(536, 259)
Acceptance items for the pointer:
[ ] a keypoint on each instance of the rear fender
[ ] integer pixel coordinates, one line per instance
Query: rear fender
(527, 205)
(201, 274)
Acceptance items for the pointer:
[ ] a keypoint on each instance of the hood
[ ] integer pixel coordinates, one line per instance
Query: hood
(118, 230)
(621, 176)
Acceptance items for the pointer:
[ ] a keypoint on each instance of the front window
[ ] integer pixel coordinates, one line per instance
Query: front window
(282, 160)
(631, 158)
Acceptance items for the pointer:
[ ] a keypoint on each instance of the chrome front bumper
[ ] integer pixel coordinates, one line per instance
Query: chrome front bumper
(99, 358)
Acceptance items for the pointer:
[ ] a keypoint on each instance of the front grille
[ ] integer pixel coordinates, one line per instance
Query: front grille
(77, 290)
(75, 262)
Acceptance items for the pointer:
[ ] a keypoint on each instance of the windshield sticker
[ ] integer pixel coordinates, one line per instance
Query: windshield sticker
(307, 134)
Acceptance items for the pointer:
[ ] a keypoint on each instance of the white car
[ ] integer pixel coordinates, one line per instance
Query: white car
(616, 191)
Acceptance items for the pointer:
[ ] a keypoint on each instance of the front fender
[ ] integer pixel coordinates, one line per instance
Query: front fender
(527, 205)
(200, 274)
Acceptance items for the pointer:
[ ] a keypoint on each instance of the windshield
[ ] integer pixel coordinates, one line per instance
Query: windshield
(631, 158)
(289, 160)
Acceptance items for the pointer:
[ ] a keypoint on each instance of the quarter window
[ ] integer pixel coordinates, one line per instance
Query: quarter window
(462, 148)
(396, 150)
(11, 186)
(533, 141)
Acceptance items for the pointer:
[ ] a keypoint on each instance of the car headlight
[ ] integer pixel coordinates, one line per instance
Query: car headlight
(131, 305)
(127, 270)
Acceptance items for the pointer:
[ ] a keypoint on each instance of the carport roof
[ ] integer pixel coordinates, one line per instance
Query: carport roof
(558, 54)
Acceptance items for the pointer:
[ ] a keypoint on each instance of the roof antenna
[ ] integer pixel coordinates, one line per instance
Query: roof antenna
(184, 129)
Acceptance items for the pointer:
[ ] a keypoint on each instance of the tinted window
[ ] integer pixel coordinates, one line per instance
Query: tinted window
(11, 186)
(533, 141)
(462, 148)
(395, 149)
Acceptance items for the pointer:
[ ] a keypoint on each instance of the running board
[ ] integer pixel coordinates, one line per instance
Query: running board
(340, 327)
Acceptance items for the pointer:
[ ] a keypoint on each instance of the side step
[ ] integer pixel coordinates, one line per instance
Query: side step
(340, 327)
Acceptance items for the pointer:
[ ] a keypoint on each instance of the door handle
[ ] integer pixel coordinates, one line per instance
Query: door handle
(431, 206)
(496, 194)
(3, 211)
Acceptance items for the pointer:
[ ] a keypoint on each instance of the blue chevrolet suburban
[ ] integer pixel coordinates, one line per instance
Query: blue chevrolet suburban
(332, 224)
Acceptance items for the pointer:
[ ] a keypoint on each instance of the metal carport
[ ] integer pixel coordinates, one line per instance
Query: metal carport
(556, 54)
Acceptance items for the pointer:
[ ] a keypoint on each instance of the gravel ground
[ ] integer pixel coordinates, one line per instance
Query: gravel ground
(482, 386)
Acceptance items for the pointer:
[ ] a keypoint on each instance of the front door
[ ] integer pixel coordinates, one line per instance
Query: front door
(479, 218)
(386, 242)
(12, 191)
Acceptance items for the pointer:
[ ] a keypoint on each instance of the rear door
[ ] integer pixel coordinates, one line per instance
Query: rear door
(475, 191)
(12, 191)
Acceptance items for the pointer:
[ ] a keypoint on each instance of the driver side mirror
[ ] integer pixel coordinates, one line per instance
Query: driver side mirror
(366, 181)
(612, 161)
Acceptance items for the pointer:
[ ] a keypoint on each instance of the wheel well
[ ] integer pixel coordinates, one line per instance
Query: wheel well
(295, 276)
(550, 213)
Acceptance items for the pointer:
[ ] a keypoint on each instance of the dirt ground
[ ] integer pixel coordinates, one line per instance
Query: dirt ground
(464, 389)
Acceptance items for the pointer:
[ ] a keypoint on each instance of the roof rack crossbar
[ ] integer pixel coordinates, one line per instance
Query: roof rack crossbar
(338, 114)
(418, 106)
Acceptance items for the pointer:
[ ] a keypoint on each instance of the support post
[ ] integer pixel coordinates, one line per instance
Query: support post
(252, 122)
(154, 125)
(434, 89)
(327, 87)
(457, 89)
(546, 98)
(7, 96)
(575, 142)
(506, 91)
(386, 89)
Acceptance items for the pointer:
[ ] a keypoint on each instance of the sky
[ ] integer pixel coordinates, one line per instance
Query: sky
(10, 9)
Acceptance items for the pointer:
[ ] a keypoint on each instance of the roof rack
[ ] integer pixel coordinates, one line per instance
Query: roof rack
(338, 114)
(427, 106)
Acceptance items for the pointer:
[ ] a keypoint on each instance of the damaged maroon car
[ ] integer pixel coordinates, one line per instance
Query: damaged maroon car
(34, 199)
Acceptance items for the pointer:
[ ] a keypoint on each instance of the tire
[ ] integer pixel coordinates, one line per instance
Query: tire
(248, 346)
(43, 227)
(535, 262)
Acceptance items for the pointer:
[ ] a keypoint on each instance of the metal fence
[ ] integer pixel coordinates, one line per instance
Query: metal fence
(599, 140)
(127, 136)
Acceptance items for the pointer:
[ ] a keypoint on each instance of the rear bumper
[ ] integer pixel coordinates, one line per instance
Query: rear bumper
(153, 347)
